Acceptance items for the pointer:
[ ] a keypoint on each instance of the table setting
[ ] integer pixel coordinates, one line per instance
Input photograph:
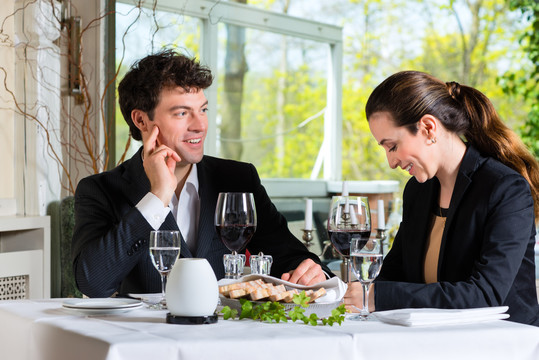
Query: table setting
(45, 329)
(187, 319)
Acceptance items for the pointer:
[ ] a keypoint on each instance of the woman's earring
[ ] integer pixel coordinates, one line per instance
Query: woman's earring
(433, 141)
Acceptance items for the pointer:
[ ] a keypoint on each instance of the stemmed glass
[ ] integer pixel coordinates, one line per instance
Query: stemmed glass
(164, 251)
(235, 222)
(366, 257)
(349, 218)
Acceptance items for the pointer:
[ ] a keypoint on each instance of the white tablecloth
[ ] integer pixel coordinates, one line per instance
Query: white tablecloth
(44, 330)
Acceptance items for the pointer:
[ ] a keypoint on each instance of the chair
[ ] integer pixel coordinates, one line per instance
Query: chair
(68, 287)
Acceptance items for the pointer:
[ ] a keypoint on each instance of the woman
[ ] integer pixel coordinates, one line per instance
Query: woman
(468, 231)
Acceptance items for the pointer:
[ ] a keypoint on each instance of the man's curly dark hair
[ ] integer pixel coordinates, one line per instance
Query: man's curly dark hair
(141, 86)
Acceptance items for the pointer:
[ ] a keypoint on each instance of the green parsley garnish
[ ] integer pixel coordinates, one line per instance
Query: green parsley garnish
(272, 311)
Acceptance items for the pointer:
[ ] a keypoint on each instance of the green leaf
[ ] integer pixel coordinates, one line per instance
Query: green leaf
(274, 312)
(313, 319)
(301, 299)
(229, 313)
(246, 308)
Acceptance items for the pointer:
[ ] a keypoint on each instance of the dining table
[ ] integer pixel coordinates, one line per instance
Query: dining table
(46, 329)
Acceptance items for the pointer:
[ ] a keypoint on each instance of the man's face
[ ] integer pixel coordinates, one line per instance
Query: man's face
(183, 122)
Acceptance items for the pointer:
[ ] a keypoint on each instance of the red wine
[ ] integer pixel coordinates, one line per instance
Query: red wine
(341, 239)
(235, 237)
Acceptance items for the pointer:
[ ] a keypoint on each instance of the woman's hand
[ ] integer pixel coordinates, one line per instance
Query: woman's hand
(353, 299)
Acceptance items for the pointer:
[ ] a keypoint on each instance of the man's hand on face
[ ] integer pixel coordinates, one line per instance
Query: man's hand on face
(307, 273)
(159, 165)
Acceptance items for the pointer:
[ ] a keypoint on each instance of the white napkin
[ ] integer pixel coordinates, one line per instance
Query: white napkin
(335, 287)
(428, 317)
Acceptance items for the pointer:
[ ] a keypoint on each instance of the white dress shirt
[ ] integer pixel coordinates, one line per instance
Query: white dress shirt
(186, 209)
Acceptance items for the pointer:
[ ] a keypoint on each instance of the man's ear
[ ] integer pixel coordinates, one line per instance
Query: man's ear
(141, 120)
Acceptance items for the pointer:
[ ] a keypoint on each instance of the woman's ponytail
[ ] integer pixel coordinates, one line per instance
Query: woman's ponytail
(489, 134)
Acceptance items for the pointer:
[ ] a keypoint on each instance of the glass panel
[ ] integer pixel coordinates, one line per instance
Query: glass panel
(271, 100)
(140, 32)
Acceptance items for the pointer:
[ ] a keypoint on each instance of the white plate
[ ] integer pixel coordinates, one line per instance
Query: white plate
(322, 307)
(103, 306)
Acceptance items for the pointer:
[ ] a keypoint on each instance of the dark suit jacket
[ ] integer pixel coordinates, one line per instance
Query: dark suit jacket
(487, 250)
(110, 241)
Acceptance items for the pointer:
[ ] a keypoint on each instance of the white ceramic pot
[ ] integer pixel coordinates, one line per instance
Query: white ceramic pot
(192, 288)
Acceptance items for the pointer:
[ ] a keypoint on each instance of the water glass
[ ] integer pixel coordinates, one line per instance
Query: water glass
(366, 260)
(164, 251)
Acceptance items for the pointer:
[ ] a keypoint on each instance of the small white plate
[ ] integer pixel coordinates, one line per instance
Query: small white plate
(105, 306)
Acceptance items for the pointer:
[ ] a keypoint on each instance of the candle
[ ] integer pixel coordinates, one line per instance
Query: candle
(345, 188)
(381, 215)
(309, 214)
(347, 206)
(353, 216)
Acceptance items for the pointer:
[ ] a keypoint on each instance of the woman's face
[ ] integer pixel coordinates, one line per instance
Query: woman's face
(403, 149)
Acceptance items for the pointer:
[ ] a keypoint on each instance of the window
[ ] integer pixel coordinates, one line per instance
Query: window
(276, 98)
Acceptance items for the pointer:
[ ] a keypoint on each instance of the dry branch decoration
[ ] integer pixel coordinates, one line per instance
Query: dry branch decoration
(68, 95)
(48, 43)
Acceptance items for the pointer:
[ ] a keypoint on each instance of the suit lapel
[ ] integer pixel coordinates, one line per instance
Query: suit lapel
(171, 224)
(208, 199)
(471, 161)
(422, 220)
(136, 182)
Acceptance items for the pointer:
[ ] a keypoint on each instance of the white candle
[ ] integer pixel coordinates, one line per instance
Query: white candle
(345, 188)
(353, 216)
(381, 215)
(309, 214)
(347, 206)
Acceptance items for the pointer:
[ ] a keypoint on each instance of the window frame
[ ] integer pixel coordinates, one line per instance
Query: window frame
(211, 13)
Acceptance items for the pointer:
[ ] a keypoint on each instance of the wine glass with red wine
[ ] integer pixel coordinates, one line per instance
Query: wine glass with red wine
(349, 218)
(235, 222)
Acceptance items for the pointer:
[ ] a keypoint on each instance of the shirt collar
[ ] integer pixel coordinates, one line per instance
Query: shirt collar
(192, 178)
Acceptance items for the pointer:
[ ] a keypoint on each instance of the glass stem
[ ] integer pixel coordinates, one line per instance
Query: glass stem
(163, 283)
(346, 268)
(235, 265)
(365, 310)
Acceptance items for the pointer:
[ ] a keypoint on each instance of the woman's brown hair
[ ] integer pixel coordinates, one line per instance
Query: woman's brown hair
(408, 95)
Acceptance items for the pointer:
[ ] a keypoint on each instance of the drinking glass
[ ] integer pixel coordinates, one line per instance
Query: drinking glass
(164, 251)
(235, 222)
(366, 257)
(349, 218)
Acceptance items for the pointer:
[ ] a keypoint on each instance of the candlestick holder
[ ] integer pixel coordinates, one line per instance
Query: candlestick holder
(382, 235)
(307, 237)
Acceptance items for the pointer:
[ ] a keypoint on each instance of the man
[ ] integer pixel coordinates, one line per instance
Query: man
(170, 184)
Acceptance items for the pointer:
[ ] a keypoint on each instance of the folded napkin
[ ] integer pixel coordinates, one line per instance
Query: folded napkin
(428, 317)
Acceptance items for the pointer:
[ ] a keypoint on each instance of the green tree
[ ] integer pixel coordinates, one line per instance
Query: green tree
(304, 95)
(474, 51)
(465, 41)
(523, 82)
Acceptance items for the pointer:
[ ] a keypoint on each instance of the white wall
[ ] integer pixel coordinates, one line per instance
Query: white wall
(33, 50)
(7, 160)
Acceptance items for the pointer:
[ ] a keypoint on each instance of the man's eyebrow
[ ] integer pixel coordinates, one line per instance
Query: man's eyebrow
(176, 107)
